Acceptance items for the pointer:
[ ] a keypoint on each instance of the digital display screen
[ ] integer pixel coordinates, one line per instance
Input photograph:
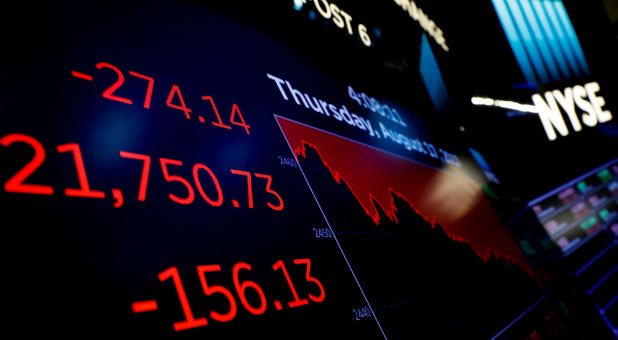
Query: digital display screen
(581, 208)
(200, 169)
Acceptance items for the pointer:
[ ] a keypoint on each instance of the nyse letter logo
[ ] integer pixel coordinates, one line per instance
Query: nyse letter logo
(582, 97)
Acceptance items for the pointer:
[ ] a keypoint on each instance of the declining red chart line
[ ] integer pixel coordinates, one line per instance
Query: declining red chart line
(456, 203)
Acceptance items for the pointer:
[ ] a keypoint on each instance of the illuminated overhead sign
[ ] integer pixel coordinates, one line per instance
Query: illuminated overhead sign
(340, 18)
(548, 108)
(427, 24)
(568, 99)
(542, 38)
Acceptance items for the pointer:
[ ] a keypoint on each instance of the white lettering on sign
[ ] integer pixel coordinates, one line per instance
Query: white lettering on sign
(583, 97)
(427, 24)
(340, 18)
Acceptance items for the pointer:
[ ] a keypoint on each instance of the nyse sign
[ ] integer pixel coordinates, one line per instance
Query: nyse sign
(571, 99)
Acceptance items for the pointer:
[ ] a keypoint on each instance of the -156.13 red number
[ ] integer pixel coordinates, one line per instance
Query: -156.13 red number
(242, 288)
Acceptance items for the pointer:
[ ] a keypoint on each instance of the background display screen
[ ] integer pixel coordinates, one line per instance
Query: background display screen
(298, 169)
(578, 210)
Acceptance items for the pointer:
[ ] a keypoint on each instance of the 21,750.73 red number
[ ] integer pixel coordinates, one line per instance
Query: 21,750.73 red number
(17, 183)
